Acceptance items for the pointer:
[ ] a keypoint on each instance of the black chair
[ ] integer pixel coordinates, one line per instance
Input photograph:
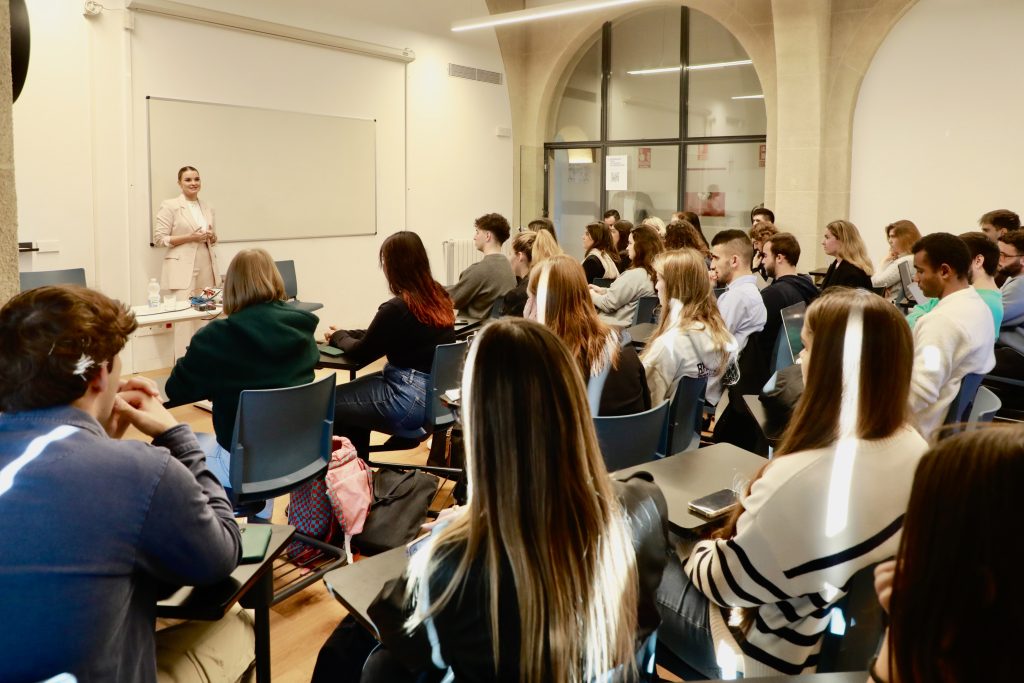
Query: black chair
(291, 287)
(282, 440)
(628, 440)
(960, 408)
(645, 308)
(686, 414)
(498, 308)
(856, 628)
(603, 281)
(40, 278)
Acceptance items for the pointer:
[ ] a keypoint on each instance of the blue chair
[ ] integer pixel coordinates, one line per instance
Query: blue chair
(686, 414)
(986, 405)
(498, 308)
(960, 408)
(628, 440)
(645, 308)
(282, 440)
(856, 627)
(291, 287)
(603, 281)
(595, 387)
(40, 278)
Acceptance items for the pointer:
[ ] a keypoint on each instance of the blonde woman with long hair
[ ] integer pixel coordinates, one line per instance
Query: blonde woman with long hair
(560, 285)
(691, 339)
(528, 248)
(852, 265)
(549, 571)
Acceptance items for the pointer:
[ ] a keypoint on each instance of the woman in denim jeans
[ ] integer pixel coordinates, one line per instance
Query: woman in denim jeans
(406, 329)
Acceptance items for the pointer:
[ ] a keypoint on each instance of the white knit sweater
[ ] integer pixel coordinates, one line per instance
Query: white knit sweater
(800, 539)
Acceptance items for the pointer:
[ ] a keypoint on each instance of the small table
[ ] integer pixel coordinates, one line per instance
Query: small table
(465, 326)
(357, 585)
(154, 317)
(692, 474)
(253, 584)
(641, 333)
(341, 362)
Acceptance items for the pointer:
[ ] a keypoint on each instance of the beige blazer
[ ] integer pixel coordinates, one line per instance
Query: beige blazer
(175, 218)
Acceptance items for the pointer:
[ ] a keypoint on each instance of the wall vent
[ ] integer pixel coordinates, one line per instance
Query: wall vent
(473, 74)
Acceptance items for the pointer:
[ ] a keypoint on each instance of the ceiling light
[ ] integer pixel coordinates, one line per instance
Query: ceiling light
(692, 67)
(748, 97)
(546, 12)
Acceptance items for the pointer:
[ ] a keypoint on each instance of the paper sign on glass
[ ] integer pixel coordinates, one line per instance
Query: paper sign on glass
(615, 172)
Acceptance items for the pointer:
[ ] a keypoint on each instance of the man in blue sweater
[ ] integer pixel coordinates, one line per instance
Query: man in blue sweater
(93, 530)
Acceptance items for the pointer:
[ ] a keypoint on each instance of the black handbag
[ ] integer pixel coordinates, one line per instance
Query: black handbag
(401, 499)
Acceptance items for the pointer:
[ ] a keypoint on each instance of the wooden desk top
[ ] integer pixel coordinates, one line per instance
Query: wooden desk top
(357, 585)
(210, 603)
(692, 474)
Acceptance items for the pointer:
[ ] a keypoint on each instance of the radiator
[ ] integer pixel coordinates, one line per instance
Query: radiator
(458, 255)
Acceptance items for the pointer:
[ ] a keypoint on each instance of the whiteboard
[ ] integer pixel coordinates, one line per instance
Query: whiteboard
(267, 174)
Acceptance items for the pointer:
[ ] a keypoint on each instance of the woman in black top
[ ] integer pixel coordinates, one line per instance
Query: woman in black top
(406, 329)
(852, 266)
(601, 256)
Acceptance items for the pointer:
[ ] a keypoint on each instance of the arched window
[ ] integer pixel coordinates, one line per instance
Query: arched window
(663, 111)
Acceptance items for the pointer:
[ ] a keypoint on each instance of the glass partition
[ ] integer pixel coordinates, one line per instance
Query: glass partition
(579, 112)
(574, 194)
(651, 183)
(723, 183)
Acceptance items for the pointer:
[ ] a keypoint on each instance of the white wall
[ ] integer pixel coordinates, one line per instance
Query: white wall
(80, 131)
(936, 130)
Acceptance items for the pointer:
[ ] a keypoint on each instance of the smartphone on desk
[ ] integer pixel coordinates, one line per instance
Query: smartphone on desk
(329, 350)
(714, 505)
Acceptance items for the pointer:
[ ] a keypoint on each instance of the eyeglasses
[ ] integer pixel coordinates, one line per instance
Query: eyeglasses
(1002, 255)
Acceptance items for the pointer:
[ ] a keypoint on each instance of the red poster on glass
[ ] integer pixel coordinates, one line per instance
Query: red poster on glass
(644, 158)
(762, 153)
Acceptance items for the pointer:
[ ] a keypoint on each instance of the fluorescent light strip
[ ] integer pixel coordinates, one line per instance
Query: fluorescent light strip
(692, 67)
(559, 10)
(748, 97)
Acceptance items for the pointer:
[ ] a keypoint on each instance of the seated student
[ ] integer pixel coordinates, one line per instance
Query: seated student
(851, 267)
(622, 229)
(263, 343)
(962, 636)
(611, 217)
(694, 220)
(538, 224)
(549, 571)
(953, 339)
(680, 234)
(528, 248)
(656, 223)
(601, 256)
(617, 304)
(997, 223)
(1011, 263)
(760, 214)
(741, 305)
(94, 529)
(564, 306)
(984, 264)
(829, 504)
(484, 281)
(691, 339)
(760, 233)
(901, 236)
(406, 329)
(788, 287)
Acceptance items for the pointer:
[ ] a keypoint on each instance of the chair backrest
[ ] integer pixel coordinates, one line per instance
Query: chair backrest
(595, 387)
(498, 308)
(603, 281)
(962, 403)
(282, 439)
(792, 325)
(986, 405)
(645, 307)
(445, 374)
(291, 284)
(628, 440)
(856, 626)
(40, 278)
(685, 414)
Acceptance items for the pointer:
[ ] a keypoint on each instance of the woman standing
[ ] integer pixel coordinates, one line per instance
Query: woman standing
(691, 339)
(851, 267)
(185, 225)
(558, 285)
(830, 503)
(617, 304)
(407, 330)
(262, 344)
(901, 236)
(600, 253)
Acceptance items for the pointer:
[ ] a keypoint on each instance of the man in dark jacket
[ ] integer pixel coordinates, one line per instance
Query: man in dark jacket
(781, 254)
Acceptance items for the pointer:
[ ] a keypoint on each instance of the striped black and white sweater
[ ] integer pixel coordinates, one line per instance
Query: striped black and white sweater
(799, 541)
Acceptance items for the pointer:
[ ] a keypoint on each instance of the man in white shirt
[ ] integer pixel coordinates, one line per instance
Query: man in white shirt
(741, 304)
(954, 339)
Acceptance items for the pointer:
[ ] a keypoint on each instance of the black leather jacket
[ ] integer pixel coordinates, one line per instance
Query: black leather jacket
(463, 627)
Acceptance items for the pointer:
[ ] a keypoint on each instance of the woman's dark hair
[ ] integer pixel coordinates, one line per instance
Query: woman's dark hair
(496, 224)
(957, 581)
(602, 238)
(680, 234)
(694, 220)
(646, 245)
(623, 227)
(407, 269)
(980, 245)
(181, 171)
(53, 341)
(538, 224)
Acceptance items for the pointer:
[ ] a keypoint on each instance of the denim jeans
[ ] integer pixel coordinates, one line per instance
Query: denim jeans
(392, 401)
(685, 624)
(218, 461)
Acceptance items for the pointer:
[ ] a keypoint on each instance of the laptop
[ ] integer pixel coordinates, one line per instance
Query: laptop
(911, 291)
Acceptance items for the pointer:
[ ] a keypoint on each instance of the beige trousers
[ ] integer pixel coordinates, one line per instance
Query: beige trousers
(207, 651)
(202, 275)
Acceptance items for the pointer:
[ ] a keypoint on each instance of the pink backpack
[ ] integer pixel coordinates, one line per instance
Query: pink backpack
(349, 488)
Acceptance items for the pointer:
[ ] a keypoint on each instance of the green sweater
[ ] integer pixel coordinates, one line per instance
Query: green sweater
(992, 297)
(265, 346)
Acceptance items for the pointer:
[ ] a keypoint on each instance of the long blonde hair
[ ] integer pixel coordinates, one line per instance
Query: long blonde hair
(541, 503)
(851, 246)
(569, 312)
(685, 275)
(252, 278)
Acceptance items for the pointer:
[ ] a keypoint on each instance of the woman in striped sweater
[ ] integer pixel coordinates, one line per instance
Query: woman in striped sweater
(832, 501)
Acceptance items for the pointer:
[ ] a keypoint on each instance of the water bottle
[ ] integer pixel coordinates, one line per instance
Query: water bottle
(154, 293)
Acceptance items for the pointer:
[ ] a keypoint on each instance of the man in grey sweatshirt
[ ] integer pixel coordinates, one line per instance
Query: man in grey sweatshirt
(483, 282)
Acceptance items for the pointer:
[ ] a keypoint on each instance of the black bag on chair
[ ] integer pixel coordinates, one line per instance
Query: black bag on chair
(401, 499)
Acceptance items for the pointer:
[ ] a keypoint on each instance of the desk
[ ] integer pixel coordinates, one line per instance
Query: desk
(357, 585)
(341, 362)
(253, 584)
(465, 326)
(157, 317)
(692, 474)
(640, 333)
